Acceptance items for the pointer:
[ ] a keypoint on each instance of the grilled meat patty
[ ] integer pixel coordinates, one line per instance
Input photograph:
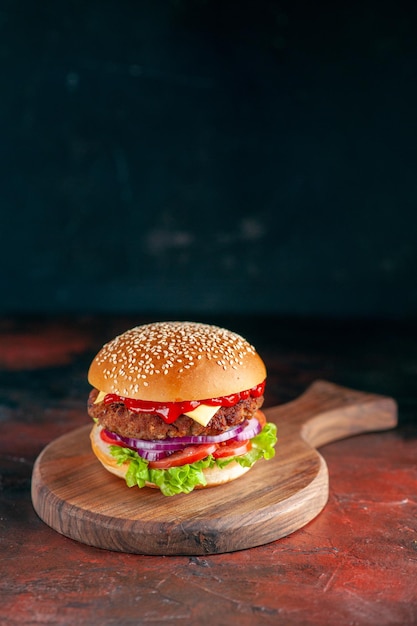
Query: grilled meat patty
(117, 418)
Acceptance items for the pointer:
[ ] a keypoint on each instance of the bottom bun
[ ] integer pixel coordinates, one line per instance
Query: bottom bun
(214, 475)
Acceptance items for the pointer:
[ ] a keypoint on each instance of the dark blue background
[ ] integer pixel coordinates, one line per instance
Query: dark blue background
(209, 156)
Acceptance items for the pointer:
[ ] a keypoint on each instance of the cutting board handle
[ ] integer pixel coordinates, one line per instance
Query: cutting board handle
(326, 412)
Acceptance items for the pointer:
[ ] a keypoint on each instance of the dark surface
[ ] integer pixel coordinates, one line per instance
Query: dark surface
(208, 156)
(356, 563)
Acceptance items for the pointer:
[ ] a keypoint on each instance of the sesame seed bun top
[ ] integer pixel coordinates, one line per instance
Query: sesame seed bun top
(176, 361)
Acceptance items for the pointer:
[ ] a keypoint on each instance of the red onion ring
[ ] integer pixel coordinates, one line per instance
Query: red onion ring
(177, 443)
(151, 455)
(252, 428)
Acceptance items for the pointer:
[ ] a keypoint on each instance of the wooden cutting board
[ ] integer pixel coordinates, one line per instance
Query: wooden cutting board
(76, 496)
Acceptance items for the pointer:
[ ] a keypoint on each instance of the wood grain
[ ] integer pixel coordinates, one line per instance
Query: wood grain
(75, 496)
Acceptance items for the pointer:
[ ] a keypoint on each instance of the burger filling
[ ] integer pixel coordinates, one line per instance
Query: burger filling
(118, 418)
(172, 454)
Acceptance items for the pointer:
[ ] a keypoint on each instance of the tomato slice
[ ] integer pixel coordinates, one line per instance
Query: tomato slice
(232, 448)
(260, 416)
(190, 454)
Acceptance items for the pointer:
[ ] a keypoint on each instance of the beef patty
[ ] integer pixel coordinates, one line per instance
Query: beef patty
(117, 418)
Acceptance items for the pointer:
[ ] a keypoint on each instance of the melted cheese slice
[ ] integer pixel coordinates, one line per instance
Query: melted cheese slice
(100, 397)
(202, 414)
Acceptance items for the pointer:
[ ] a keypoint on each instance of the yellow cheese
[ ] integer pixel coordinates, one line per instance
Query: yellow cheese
(203, 413)
(100, 397)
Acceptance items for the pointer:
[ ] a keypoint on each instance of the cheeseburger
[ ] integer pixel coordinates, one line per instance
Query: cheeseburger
(176, 406)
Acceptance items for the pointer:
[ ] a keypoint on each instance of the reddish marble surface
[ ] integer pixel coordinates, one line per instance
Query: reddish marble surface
(355, 564)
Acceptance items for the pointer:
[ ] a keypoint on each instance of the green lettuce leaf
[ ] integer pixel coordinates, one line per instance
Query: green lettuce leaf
(171, 481)
(185, 478)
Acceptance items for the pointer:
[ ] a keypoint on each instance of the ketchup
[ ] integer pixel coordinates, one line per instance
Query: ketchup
(170, 411)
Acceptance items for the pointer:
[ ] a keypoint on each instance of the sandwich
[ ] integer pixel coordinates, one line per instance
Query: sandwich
(177, 407)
